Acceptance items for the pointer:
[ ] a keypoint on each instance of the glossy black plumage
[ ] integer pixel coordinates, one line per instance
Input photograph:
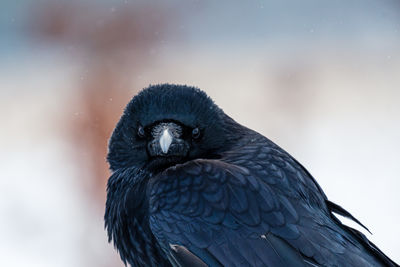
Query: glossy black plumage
(235, 199)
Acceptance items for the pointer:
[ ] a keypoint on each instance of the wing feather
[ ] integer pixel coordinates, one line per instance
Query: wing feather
(241, 219)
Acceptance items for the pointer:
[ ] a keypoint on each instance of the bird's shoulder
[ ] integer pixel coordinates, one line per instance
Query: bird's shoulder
(274, 166)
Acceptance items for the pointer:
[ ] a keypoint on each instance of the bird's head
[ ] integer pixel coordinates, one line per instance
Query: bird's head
(168, 124)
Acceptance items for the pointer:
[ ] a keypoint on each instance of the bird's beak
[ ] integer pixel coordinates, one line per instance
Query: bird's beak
(165, 140)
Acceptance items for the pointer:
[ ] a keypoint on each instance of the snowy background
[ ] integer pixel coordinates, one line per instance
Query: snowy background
(320, 78)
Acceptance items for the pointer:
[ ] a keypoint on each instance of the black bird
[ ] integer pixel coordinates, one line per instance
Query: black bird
(192, 187)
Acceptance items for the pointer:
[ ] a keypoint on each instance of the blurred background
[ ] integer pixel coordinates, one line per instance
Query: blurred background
(320, 78)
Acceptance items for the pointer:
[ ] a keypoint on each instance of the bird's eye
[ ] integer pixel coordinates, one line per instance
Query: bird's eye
(196, 133)
(141, 132)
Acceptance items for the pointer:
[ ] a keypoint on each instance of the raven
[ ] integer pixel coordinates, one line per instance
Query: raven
(192, 187)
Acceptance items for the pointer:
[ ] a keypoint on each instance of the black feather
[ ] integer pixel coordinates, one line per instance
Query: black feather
(341, 211)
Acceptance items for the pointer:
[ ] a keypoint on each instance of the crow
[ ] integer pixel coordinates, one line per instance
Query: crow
(192, 187)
